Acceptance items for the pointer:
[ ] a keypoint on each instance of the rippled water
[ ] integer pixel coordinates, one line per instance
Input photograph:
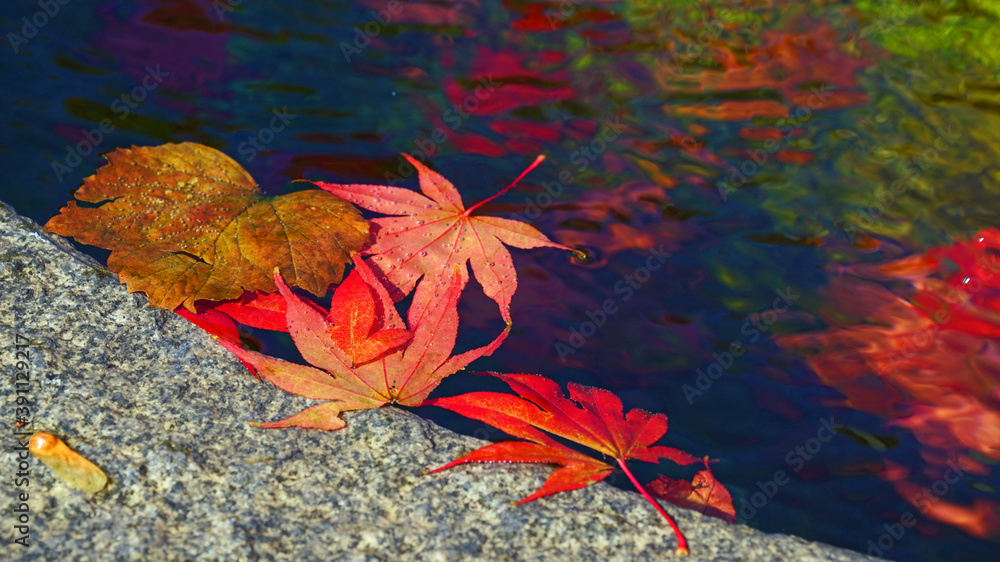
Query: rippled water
(730, 168)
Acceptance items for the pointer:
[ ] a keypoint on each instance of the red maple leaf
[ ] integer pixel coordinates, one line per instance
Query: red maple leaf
(217, 324)
(703, 493)
(363, 356)
(356, 319)
(258, 310)
(591, 417)
(255, 309)
(434, 232)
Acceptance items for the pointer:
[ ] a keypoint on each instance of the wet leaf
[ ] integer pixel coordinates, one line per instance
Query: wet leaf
(355, 318)
(362, 355)
(703, 494)
(185, 222)
(591, 417)
(434, 232)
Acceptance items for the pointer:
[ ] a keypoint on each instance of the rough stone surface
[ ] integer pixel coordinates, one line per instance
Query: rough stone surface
(163, 409)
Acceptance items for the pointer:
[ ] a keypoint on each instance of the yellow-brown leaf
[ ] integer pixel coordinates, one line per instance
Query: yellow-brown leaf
(185, 222)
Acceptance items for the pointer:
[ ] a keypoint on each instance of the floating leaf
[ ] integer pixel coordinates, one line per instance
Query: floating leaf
(435, 232)
(358, 352)
(184, 222)
(591, 417)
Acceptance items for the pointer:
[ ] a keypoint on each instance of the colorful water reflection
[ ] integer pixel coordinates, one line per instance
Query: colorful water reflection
(845, 153)
(926, 358)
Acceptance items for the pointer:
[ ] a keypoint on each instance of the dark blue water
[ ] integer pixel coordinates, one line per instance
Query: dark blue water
(642, 127)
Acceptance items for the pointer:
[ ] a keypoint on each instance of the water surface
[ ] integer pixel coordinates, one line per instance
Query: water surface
(759, 154)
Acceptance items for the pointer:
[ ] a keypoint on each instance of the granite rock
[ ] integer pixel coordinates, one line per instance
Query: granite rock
(162, 409)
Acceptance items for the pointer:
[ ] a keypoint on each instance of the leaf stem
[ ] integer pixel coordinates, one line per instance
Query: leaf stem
(682, 548)
(539, 160)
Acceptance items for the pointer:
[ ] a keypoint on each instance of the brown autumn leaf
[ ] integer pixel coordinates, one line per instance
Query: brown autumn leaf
(185, 222)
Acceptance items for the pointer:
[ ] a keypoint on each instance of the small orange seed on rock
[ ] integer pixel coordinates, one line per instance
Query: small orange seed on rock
(66, 463)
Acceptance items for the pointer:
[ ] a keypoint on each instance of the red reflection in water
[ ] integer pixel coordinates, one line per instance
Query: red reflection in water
(498, 81)
(788, 62)
(185, 15)
(766, 133)
(501, 81)
(185, 38)
(928, 359)
(981, 519)
(490, 86)
(784, 79)
(555, 15)
(628, 218)
(733, 110)
(436, 13)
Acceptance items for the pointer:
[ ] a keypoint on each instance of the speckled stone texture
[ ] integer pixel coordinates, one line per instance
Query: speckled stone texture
(163, 409)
